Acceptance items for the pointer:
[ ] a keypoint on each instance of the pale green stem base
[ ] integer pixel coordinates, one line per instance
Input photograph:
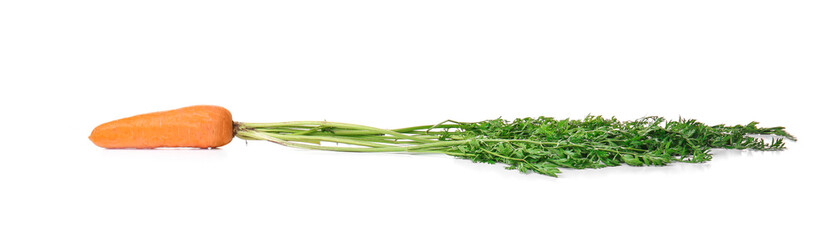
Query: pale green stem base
(358, 138)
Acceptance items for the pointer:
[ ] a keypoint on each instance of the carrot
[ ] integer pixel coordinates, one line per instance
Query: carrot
(542, 145)
(200, 126)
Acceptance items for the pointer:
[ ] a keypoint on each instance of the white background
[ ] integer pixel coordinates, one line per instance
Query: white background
(67, 66)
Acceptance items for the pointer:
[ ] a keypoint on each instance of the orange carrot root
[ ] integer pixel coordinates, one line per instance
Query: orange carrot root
(201, 126)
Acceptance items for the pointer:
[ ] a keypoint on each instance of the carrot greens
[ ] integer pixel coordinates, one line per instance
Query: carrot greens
(543, 145)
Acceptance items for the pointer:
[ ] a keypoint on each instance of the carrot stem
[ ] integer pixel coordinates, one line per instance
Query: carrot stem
(358, 138)
(325, 124)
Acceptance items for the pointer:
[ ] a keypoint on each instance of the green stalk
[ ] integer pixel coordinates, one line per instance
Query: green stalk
(368, 145)
(324, 124)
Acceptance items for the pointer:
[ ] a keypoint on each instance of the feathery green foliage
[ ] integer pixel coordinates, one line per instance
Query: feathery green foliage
(542, 145)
